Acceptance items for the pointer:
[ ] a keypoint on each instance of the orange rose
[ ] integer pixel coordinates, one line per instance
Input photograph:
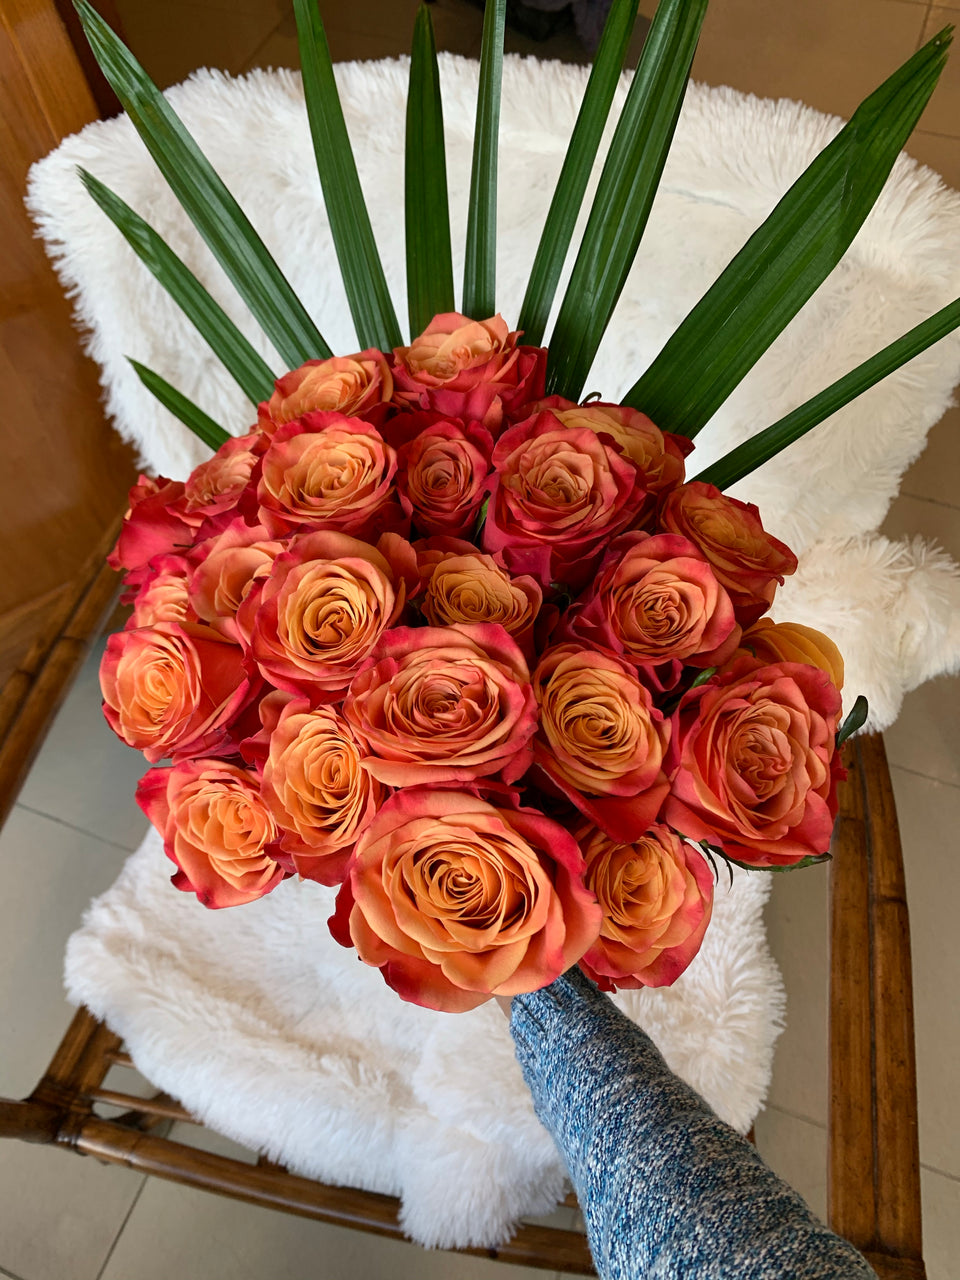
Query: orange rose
(172, 689)
(462, 585)
(216, 828)
(753, 763)
(468, 369)
(442, 474)
(315, 786)
(216, 485)
(164, 596)
(232, 563)
(656, 896)
(658, 454)
(444, 704)
(315, 619)
(772, 642)
(327, 471)
(455, 900)
(748, 561)
(349, 385)
(601, 736)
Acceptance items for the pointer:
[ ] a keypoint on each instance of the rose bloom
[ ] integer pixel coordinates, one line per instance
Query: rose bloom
(656, 895)
(600, 736)
(557, 498)
(468, 369)
(232, 562)
(328, 471)
(753, 764)
(314, 620)
(748, 561)
(216, 828)
(164, 596)
(215, 486)
(314, 785)
(442, 475)
(462, 585)
(444, 704)
(151, 527)
(657, 601)
(772, 642)
(351, 385)
(172, 689)
(455, 900)
(658, 454)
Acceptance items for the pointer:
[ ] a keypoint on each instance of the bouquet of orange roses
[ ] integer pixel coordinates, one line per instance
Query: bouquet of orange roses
(442, 632)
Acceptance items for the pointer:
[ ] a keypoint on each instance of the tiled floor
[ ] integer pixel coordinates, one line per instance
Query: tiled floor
(67, 1219)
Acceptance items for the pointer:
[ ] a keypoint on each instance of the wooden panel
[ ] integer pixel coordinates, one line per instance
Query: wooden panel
(66, 473)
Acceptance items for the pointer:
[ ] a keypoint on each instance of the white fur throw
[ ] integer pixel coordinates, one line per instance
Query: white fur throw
(277, 1036)
(254, 1018)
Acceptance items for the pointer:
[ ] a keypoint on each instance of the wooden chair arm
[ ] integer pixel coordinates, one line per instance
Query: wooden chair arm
(873, 1188)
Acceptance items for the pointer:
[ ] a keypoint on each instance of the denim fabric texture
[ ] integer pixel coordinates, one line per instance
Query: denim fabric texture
(666, 1188)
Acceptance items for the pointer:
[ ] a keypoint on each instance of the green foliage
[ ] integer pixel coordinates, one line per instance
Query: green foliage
(480, 265)
(360, 266)
(200, 423)
(205, 199)
(788, 257)
(854, 721)
(427, 210)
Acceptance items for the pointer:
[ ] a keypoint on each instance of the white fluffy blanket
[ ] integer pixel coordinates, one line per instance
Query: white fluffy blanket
(255, 1018)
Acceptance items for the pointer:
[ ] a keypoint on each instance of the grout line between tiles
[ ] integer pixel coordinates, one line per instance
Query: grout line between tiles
(10, 1275)
(250, 57)
(72, 826)
(932, 1168)
(123, 1225)
(917, 773)
(935, 133)
(936, 502)
(795, 1115)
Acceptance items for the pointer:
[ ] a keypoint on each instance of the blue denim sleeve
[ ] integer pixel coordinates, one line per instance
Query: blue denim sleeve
(666, 1188)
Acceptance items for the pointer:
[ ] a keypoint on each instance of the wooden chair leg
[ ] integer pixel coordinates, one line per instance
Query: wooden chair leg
(874, 1173)
(30, 1121)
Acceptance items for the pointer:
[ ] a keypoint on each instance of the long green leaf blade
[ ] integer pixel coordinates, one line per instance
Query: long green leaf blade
(360, 266)
(788, 257)
(480, 266)
(625, 194)
(191, 415)
(427, 208)
(205, 198)
(250, 371)
(575, 174)
(753, 453)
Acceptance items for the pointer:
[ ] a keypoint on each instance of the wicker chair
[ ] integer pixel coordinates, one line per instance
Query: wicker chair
(874, 1185)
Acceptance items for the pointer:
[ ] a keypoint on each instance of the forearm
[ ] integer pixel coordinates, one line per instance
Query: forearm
(667, 1189)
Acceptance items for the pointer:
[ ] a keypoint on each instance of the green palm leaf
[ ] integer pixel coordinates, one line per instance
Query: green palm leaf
(427, 209)
(739, 462)
(206, 200)
(788, 258)
(252, 374)
(480, 267)
(625, 194)
(200, 423)
(360, 266)
(577, 166)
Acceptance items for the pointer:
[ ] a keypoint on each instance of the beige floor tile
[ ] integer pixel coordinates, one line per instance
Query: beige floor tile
(940, 152)
(174, 38)
(941, 1224)
(943, 113)
(49, 873)
(826, 54)
(934, 520)
(926, 736)
(929, 817)
(84, 774)
(174, 1231)
(797, 929)
(61, 1212)
(796, 1150)
(936, 473)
